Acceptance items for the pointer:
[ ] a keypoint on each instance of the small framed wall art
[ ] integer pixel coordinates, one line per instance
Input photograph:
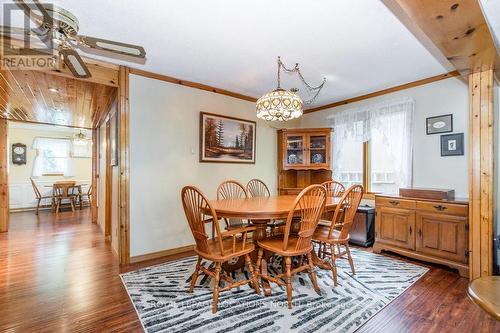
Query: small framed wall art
(452, 144)
(439, 124)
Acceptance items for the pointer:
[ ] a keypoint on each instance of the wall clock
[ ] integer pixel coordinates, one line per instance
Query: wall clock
(18, 153)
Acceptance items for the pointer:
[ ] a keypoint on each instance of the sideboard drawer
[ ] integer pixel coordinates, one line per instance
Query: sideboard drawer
(444, 208)
(395, 202)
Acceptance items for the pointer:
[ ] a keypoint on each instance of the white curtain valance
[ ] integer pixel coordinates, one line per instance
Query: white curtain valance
(392, 121)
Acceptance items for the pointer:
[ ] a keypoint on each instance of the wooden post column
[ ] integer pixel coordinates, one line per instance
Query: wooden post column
(95, 174)
(481, 170)
(4, 182)
(124, 162)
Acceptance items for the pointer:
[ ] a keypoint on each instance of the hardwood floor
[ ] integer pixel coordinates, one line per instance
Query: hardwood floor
(57, 274)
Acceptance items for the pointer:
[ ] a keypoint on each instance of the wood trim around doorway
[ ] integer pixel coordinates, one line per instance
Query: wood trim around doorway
(124, 163)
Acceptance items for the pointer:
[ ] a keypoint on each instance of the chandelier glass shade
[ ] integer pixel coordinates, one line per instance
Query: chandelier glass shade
(279, 104)
(80, 139)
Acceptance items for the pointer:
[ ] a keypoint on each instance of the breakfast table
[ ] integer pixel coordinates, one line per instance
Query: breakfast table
(67, 186)
(259, 211)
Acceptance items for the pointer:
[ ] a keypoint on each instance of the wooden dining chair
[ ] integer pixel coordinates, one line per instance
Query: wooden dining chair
(333, 188)
(231, 189)
(337, 233)
(63, 191)
(225, 247)
(40, 197)
(310, 204)
(257, 188)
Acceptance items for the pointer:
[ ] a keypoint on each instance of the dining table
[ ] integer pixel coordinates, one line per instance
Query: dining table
(69, 185)
(259, 211)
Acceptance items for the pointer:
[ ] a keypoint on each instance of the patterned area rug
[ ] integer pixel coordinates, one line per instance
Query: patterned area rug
(159, 294)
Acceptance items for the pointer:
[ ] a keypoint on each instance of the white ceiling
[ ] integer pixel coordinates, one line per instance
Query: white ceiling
(359, 46)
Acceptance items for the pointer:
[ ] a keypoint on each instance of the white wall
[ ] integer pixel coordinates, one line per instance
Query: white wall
(21, 194)
(434, 99)
(164, 157)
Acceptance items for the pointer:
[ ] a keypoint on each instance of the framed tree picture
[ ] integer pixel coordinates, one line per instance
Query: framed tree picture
(226, 139)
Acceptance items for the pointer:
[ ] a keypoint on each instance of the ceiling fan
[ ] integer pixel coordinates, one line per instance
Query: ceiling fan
(58, 27)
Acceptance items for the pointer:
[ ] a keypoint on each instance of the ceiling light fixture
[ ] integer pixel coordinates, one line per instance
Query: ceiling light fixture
(54, 90)
(284, 105)
(80, 139)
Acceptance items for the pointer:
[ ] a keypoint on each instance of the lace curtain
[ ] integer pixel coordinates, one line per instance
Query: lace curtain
(52, 157)
(390, 123)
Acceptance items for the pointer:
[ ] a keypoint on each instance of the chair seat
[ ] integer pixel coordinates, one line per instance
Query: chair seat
(214, 251)
(321, 234)
(275, 244)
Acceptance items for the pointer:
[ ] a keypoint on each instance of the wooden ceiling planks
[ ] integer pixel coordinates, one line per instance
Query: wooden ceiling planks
(456, 27)
(37, 96)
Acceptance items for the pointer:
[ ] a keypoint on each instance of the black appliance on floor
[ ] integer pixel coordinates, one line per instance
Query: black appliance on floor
(363, 227)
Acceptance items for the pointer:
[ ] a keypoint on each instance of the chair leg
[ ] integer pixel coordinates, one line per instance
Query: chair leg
(259, 260)
(58, 205)
(195, 275)
(334, 265)
(255, 282)
(312, 274)
(72, 202)
(349, 257)
(216, 287)
(38, 206)
(288, 263)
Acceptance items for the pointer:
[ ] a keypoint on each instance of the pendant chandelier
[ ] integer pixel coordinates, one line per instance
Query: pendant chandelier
(281, 104)
(80, 139)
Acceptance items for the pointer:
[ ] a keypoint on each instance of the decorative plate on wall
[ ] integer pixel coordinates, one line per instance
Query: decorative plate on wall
(439, 124)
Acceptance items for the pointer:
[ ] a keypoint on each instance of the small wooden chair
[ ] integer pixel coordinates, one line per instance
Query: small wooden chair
(63, 191)
(220, 249)
(88, 195)
(231, 189)
(310, 203)
(40, 197)
(337, 233)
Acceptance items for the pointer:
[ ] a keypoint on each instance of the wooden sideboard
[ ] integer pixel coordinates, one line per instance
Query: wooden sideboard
(303, 158)
(428, 230)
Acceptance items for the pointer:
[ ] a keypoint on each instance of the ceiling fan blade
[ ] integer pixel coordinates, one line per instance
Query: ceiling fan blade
(13, 32)
(112, 46)
(75, 63)
(37, 14)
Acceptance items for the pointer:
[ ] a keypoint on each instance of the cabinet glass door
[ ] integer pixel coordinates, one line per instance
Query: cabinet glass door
(318, 150)
(294, 150)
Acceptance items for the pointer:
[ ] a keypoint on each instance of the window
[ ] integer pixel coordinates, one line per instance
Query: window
(373, 146)
(52, 157)
(348, 167)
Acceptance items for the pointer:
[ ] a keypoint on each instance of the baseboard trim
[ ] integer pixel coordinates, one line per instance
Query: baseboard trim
(160, 254)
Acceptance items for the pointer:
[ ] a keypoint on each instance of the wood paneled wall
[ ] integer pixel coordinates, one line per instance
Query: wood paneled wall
(481, 180)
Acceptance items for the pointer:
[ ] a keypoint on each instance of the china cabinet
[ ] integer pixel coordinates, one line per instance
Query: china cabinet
(303, 158)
